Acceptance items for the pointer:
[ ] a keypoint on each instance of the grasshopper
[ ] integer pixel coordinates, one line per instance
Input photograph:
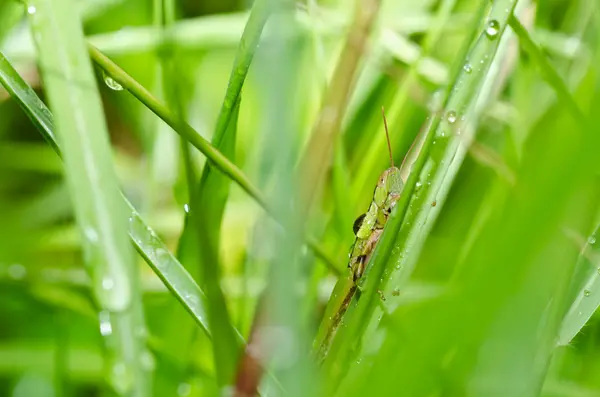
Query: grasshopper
(368, 228)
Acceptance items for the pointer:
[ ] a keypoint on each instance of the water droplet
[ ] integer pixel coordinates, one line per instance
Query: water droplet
(592, 239)
(108, 283)
(31, 10)
(586, 292)
(186, 208)
(228, 391)
(17, 271)
(147, 361)
(468, 68)
(111, 83)
(90, 234)
(184, 389)
(418, 184)
(598, 270)
(492, 29)
(121, 378)
(105, 325)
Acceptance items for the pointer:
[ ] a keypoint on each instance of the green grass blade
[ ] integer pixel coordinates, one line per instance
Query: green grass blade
(389, 270)
(146, 241)
(199, 244)
(585, 292)
(100, 214)
(548, 72)
(217, 158)
(312, 166)
(200, 241)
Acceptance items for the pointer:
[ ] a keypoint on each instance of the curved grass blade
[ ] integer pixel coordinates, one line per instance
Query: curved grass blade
(399, 247)
(199, 244)
(145, 240)
(100, 214)
(218, 160)
(200, 240)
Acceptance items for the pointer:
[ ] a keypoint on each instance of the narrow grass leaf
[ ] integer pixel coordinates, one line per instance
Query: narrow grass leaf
(145, 240)
(100, 214)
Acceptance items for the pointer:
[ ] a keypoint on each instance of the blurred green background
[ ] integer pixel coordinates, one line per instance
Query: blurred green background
(495, 267)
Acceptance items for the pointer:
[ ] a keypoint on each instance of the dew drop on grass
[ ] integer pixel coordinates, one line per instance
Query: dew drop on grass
(108, 283)
(186, 208)
(586, 292)
(111, 83)
(492, 29)
(121, 378)
(17, 271)
(468, 68)
(31, 10)
(592, 239)
(90, 234)
(147, 360)
(105, 325)
(184, 389)
(451, 117)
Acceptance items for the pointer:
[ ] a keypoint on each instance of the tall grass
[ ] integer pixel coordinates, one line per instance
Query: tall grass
(485, 279)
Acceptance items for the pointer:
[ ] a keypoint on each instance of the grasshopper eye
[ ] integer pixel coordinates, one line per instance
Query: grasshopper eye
(358, 223)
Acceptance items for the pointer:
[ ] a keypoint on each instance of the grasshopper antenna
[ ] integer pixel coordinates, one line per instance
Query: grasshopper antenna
(387, 135)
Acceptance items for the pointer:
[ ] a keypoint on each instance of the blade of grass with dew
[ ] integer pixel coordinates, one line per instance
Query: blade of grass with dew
(585, 287)
(217, 158)
(100, 214)
(390, 269)
(145, 240)
(585, 291)
(493, 329)
(171, 155)
(200, 241)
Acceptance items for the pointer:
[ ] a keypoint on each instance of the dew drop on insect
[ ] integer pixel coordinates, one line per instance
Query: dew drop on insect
(592, 239)
(31, 10)
(492, 29)
(468, 68)
(586, 292)
(451, 117)
(111, 83)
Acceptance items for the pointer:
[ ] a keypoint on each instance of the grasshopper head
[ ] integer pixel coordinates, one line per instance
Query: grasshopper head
(390, 185)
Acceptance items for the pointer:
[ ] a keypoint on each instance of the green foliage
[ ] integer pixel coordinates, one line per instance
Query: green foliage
(484, 281)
